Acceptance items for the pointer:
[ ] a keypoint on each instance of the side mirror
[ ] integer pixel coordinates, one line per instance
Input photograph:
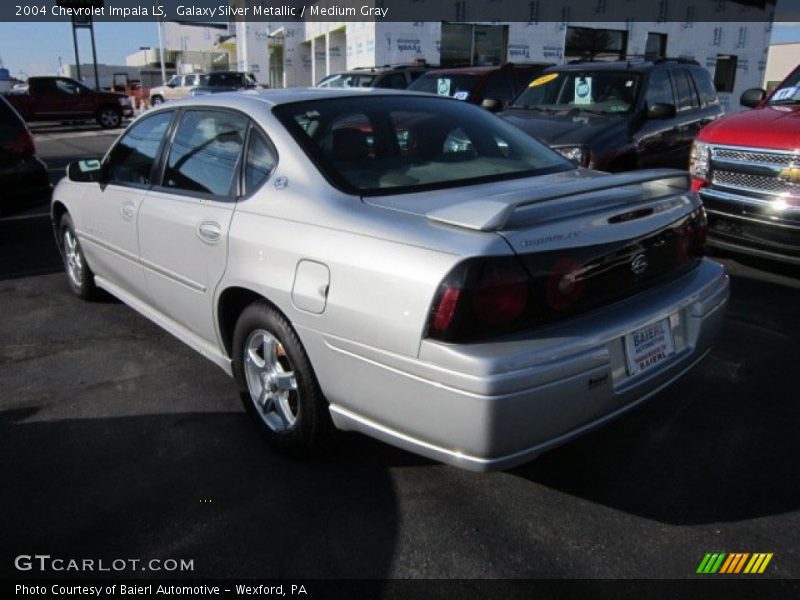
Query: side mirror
(661, 111)
(491, 105)
(85, 171)
(752, 97)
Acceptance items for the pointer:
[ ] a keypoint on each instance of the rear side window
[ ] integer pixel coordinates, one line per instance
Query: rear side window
(395, 81)
(131, 160)
(205, 152)
(687, 98)
(260, 162)
(705, 87)
(499, 87)
(659, 89)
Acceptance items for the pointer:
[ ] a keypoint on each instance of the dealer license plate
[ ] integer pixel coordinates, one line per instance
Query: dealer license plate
(648, 346)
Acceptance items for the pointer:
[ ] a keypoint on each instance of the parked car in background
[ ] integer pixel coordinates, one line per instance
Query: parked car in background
(225, 81)
(746, 168)
(64, 99)
(619, 116)
(403, 265)
(495, 85)
(396, 77)
(23, 176)
(176, 88)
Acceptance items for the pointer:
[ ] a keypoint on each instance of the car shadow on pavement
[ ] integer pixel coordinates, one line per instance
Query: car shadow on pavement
(195, 486)
(720, 445)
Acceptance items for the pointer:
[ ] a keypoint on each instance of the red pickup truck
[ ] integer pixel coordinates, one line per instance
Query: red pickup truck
(64, 99)
(746, 168)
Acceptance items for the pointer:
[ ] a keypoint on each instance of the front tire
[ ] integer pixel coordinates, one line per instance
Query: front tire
(277, 383)
(109, 118)
(79, 275)
(156, 100)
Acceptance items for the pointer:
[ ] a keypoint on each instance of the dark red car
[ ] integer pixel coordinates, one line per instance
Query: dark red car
(64, 99)
(476, 84)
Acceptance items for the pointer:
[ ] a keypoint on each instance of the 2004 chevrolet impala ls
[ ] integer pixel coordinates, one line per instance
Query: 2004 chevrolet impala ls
(399, 264)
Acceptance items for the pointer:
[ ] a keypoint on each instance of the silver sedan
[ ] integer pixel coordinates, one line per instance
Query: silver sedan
(398, 264)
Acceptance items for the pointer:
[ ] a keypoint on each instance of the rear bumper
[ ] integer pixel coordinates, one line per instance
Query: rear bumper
(494, 405)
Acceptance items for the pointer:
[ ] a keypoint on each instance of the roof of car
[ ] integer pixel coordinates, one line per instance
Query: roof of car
(275, 97)
(484, 70)
(637, 65)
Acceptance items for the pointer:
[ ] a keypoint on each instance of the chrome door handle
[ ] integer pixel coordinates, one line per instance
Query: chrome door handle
(127, 210)
(209, 231)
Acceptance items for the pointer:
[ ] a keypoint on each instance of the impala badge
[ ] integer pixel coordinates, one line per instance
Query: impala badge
(639, 264)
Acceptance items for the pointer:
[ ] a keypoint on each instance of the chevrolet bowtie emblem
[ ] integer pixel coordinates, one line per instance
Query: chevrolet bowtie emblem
(791, 174)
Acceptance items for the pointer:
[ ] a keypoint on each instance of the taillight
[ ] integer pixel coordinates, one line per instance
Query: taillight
(23, 145)
(479, 298)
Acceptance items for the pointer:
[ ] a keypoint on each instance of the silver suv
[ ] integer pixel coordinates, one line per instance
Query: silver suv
(399, 264)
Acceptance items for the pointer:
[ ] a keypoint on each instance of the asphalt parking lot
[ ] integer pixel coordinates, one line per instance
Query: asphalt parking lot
(116, 440)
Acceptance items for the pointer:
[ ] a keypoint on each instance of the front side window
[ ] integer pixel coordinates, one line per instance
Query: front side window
(68, 87)
(659, 89)
(131, 160)
(499, 87)
(205, 152)
(385, 145)
(190, 80)
(601, 91)
(175, 81)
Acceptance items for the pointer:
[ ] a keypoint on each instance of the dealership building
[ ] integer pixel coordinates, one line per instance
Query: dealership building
(300, 53)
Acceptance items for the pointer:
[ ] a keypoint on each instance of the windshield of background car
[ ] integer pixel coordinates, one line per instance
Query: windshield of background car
(789, 92)
(347, 80)
(603, 92)
(399, 144)
(459, 86)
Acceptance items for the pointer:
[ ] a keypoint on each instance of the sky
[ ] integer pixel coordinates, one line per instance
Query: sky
(23, 52)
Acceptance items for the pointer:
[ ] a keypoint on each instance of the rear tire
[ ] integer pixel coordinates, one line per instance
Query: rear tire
(79, 275)
(109, 117)
(277, 383)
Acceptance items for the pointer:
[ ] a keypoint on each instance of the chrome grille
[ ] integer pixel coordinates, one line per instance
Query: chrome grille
(754, 156)
(754, 183)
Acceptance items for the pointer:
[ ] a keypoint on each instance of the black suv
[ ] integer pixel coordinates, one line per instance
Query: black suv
(618, 116)
(397, 77)
(225, 81)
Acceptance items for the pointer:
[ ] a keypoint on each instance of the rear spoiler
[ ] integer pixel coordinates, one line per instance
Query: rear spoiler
(579, 196)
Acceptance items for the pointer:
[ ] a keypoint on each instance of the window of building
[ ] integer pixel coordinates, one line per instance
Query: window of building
(131, 160)
(656, 46)
(725, 72)
(597, 44)
(205, 151)
(466, 45)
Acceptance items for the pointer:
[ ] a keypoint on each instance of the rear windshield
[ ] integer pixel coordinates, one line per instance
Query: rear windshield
(604, 92)
(459, 86)
(347, 80)
(789, 92)
(399, 144)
